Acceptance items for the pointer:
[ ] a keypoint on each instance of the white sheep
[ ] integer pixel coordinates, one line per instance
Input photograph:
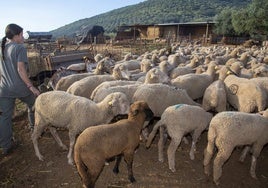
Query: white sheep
(129, 90)
(244, 95)
(85, 86)
(108, 84)
(230, 129)
(61, 109)
(103, 66)
(215, 97)
(99, 143)
(179, 120)
(155, 75)
(196, 84)
(160, 96)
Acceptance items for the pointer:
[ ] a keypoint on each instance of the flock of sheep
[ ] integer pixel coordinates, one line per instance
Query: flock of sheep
(191, 88)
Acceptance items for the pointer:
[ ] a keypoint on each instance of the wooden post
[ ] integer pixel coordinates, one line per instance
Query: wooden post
(206, 37)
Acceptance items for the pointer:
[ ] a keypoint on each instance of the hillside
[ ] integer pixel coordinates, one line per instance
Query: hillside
(153, 11)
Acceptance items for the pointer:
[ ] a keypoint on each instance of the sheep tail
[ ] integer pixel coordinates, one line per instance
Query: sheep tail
(153, 133)
(81, 167)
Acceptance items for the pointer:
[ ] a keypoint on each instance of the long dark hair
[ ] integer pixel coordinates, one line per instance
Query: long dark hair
(11, 31)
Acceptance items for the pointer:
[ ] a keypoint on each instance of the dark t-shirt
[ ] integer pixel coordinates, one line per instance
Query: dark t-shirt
(11, 84)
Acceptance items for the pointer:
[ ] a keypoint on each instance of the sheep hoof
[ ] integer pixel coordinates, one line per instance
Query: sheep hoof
(132, 179)
(40, 157)
(241, 159)
(253, 175)
(206, 170)
(64, 147)
(147, 145)
(116, 170)
(172, 170)
(217, 182)
(70, 162)
(192, 156)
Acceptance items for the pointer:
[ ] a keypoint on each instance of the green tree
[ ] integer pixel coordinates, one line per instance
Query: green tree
(257, 22)
(223, 24)
(239, 22)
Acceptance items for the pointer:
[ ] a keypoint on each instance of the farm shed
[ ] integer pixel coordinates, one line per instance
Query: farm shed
(37, 37)
(171, 31)
(90, 34)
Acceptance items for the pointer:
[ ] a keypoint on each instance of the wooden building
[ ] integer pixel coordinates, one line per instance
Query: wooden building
(169, 31)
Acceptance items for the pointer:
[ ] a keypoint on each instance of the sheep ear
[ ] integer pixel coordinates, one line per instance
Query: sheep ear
(110, 103)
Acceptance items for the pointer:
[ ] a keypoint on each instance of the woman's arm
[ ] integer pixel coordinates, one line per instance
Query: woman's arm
(23, 74)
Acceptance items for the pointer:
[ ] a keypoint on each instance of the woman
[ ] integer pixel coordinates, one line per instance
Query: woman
(14, 83)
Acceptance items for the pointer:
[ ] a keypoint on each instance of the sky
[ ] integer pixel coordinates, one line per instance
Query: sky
(47, 15)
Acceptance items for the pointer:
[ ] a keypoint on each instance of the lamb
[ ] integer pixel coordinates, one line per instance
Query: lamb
(179, 120)
(160, 96)
(96, 144)
(230, 129)
(62, 109)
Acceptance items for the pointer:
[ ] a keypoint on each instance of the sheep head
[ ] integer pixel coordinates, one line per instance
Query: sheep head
(141, 110)
(118, 103)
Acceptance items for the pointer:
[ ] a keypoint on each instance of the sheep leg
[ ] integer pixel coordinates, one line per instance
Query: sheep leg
(128, 156)
(185, 140)
(161, 144)
(208, 152)
(152, 134)
(255, 154)
(94, 168)
(195, 137)
(175, 142)
(244, 154)
(38, 129)
(54, 133)
(116, 166)
(82, 169)
(222, 156)
(71, 147)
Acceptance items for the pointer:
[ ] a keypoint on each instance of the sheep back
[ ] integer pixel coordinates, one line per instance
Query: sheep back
(85, 86)
(183, 118)
(238, 128)
(161, 96)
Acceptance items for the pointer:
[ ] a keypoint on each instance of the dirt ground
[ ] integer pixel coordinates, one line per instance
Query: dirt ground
(23, 169)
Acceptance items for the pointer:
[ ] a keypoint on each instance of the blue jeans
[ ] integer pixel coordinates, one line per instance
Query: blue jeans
(7, 107)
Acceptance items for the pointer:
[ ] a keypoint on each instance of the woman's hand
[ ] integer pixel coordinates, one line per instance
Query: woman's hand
(35, 91)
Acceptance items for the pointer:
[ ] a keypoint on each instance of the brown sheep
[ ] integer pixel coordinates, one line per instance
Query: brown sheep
(98, 143)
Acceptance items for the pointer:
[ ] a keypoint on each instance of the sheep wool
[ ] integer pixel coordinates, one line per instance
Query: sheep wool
(179, 120)
(230, 129)
(61, 109)
(161, 96)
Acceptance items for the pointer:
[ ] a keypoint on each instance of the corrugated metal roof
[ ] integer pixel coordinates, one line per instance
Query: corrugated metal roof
(39, 34)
